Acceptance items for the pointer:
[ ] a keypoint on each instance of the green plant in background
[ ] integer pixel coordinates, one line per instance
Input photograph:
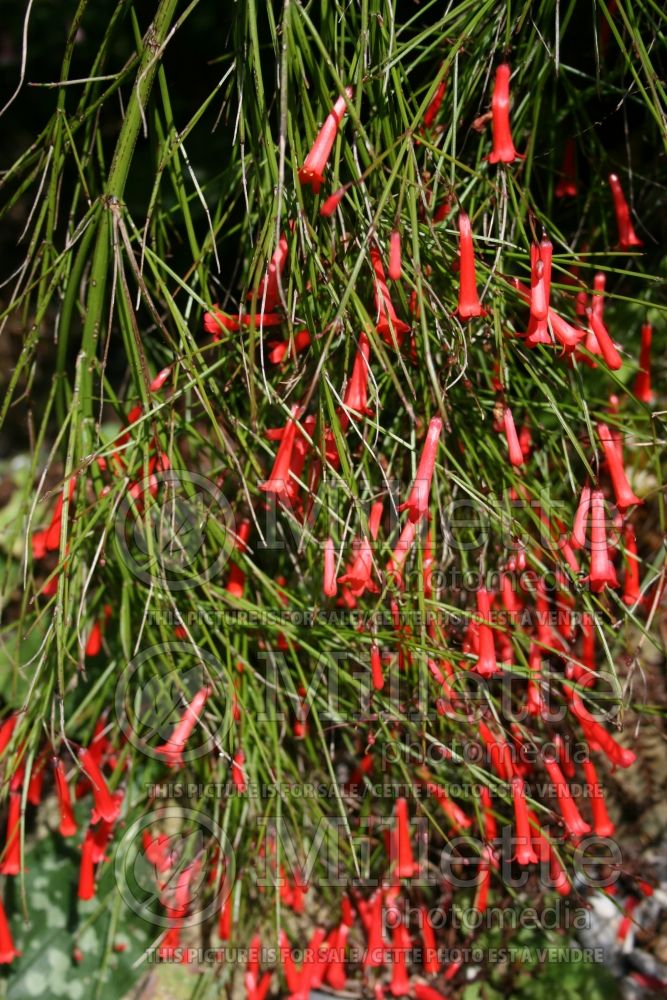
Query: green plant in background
(176, 302)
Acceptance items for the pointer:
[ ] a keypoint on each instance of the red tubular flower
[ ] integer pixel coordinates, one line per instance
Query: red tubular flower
(335, 975)
(268, 291)
(252, 968)
(159, 380)
(279, 480)
(566, 335)
(100, 745)
(236, 579)
(540, 292)
(400, 979)
(406, 866)
(87, 867)
(284, 348)
(312, 171)
(539, 303)
(298, 457)
(557, 874)
(625, 496)
(388, 325)
(286, 893)
(469, 304)
(171, 940)
(359, 575)
(177, 907)
(452, 811)
(443, 210)
(356, 391)
(375, 947)
(607, 349)
(417, 503)
(597, 734)
(498, 753)
(547, 854)
(347, 912)
(101, 838)
(515, 452)
(11, 856)
(52, 538)
(483, 882)
(401, 550)
(52, 541)
(18, 772)
(67, 822)
(629, 906)
(434, 105)
(581, 303)
(596, 310)
(452, 970)
(627, 238)
(38, 542)
(574, 821)
(217, 322)
(94, 643)
(525, 855)
(631, 590)
(333, 201)
(566, 187)
(36, 782)
(329, 586)
(238, 772)
(430, 960)
(299, 889)
(443, 704)
(260, 991)
(578, 536)
(602, 824)
(602, 569)
(6, 731)
(225, 919)
(7, 950)
(597, 297)
(377, 675)
(643, 377)
(172, 750)
(394, 270)
(314, 963)
(156, 850)
(486, 665)
(503, 146)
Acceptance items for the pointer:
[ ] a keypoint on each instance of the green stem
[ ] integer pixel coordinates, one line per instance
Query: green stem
(120, 166)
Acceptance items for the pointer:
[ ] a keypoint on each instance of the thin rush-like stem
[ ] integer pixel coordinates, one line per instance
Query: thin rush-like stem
(114, 189)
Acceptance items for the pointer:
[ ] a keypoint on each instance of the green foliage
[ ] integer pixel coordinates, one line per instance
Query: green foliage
(152, 173)
(108, 940)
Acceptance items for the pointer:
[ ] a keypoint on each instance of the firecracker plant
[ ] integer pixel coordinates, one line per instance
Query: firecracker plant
(339, 543)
